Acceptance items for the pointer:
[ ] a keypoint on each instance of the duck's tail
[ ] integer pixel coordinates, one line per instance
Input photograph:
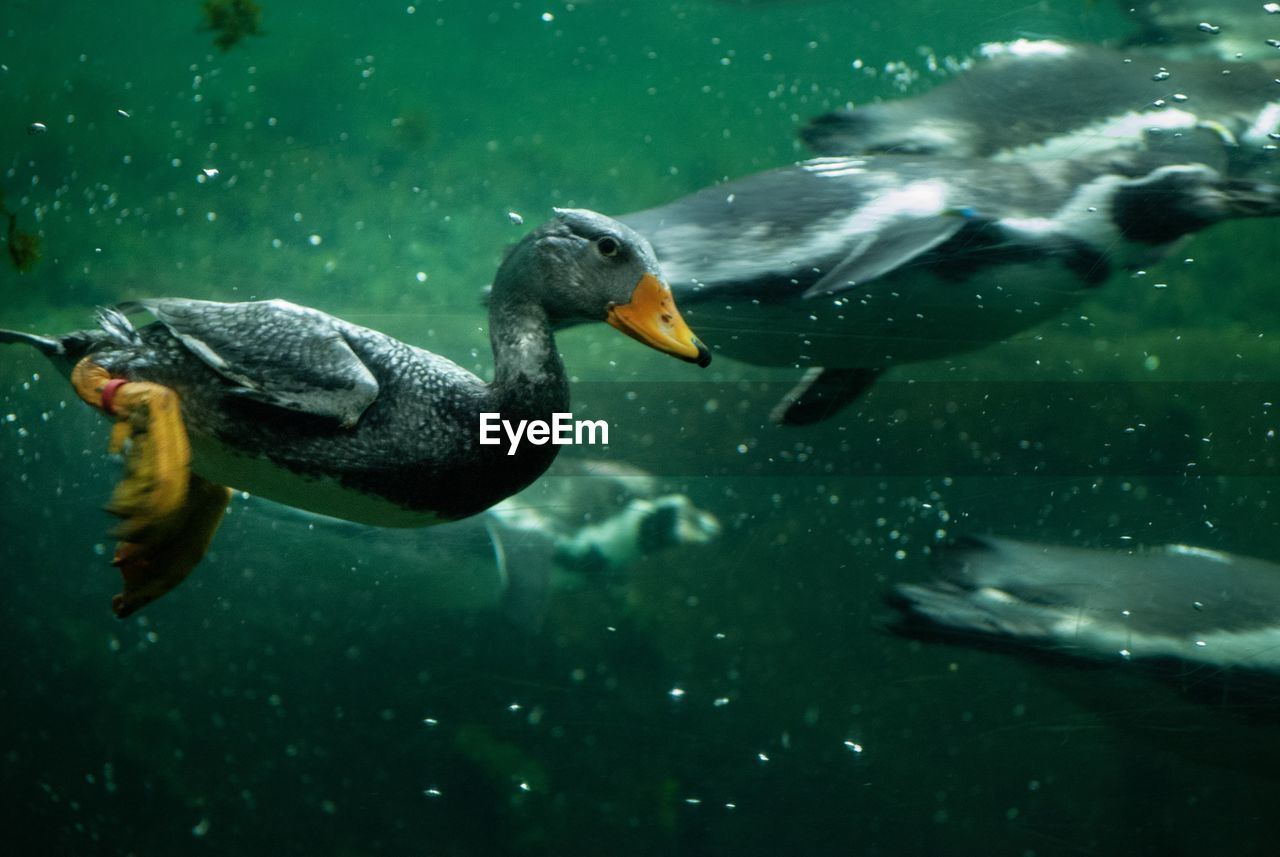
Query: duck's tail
(113, 327)
(49, 346)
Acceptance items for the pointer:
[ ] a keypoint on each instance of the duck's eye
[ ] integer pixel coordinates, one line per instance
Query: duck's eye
(608, 246)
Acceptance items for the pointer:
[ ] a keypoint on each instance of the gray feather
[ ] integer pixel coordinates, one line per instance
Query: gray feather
(275, 352)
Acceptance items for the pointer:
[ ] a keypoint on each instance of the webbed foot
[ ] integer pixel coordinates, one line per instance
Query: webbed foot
(167, 515)
(152, 567)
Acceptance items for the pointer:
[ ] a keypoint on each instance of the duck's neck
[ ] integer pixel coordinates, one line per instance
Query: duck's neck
(529, 380)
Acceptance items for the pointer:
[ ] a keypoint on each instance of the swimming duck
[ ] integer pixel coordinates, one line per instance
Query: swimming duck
(1170, 603)
(1026, 100)
(847, 265)
(306, 409)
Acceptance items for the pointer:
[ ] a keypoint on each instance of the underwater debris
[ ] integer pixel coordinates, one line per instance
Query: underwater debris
(24, 247)
(231, 20)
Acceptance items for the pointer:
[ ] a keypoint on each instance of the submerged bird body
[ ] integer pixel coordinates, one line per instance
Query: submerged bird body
(1205, 28)
(582, 523)
(1169, 603)
(312, 411)
(1037, 100)
(855, 264)
(866, 261)
(411, 455)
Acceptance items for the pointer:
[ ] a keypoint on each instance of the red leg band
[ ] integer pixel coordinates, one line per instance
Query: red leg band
(109, 394)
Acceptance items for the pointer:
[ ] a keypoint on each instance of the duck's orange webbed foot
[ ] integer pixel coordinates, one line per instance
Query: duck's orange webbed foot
(157, 564)
(167, 516)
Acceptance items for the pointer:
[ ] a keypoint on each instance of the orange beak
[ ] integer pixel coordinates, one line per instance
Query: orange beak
(651, 317)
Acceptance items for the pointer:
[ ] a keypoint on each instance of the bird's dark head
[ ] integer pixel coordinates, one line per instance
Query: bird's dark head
(581, 265)
(1176, 200)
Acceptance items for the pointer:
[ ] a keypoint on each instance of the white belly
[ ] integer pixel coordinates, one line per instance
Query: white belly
(259, 477)
(900, 320)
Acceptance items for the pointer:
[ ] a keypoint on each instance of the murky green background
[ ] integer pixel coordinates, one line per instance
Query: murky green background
(289, 700)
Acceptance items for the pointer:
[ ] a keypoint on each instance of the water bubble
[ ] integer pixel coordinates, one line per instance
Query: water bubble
(37, 128)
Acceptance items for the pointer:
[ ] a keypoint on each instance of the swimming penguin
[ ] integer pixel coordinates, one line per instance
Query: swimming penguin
(1167, 603)
(845, 266)
(584, 523)
(1223, 29)
(299, 407)
(1140, 637)
(1037, 100)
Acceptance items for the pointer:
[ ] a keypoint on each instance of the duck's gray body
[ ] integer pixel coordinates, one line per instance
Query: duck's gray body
(1047, 100)
(856, 264)
(1167, 603)
(353, 423)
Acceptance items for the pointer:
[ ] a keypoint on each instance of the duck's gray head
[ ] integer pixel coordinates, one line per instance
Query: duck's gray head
(581, 265)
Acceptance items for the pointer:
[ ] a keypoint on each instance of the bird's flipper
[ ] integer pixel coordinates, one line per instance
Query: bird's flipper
(275, 352)
(893, 246)
(821, 394)
(526, 577)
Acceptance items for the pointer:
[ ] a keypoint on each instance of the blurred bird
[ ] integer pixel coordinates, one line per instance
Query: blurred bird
(1205, 622)
(845, 266)
(584, 523)
(1037, 100)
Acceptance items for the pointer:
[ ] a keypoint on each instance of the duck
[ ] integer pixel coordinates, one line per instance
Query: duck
(297, 406)
(1182, 604)
(845, 266)
(1046, 99)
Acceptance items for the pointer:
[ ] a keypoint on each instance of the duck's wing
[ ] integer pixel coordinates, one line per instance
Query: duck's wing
(274, 352)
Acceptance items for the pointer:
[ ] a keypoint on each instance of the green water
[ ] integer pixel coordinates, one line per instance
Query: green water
(363, 158)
